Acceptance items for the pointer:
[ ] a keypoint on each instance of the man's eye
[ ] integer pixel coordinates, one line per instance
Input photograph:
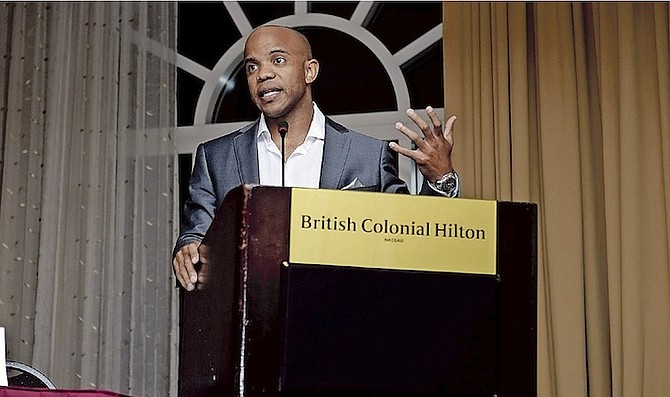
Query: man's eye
(280, 60)
(251, 67)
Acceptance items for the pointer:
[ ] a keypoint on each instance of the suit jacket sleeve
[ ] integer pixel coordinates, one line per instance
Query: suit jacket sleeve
(391, 183)
(200, 205)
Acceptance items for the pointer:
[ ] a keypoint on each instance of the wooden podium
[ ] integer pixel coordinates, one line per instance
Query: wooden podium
(260, 325)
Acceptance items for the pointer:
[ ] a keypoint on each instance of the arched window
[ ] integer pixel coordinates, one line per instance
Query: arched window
(377, 59)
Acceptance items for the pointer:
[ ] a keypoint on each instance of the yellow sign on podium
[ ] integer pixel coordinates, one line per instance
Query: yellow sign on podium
(392, 231)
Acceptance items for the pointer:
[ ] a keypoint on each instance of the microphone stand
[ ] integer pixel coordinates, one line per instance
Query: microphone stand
(283, 130)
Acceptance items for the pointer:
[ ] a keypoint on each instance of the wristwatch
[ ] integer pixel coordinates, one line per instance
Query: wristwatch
(448, 184)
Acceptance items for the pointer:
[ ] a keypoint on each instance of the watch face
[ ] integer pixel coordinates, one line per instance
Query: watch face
(450, 183)
(447, 184)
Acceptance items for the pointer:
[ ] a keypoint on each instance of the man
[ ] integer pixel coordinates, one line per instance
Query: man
(318, 152)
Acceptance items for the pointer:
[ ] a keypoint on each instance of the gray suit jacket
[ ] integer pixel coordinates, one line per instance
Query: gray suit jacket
(231, 160)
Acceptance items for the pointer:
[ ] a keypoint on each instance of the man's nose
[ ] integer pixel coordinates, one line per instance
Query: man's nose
(265, 73)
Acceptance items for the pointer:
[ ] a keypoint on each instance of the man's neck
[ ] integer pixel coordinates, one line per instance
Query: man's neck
(299, 124)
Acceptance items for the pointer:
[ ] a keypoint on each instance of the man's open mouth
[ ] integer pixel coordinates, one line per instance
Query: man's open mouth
(269, 93)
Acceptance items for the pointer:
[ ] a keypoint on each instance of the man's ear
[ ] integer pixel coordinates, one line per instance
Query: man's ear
(311, 70)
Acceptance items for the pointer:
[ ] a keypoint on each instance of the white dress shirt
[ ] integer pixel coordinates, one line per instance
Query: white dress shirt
(303, 167)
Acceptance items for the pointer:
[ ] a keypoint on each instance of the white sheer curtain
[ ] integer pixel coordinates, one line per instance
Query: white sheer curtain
(87, 97)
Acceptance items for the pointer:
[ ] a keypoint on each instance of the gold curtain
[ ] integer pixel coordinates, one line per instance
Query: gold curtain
(567, 105)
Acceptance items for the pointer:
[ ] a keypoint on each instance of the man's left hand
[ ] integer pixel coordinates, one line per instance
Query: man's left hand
(433, 145)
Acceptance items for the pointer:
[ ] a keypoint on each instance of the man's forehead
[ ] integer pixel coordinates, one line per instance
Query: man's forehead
(254, 52)
(270, 39)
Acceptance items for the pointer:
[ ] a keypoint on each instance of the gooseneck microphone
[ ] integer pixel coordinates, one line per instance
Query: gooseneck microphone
(283, 130)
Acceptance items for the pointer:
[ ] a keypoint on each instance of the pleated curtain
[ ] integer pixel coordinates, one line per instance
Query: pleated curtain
(87, 209)
(568, 105)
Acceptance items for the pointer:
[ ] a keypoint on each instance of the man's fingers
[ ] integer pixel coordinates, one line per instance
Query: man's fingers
(449, 130)
(183, 265)
(175, 269)
(435, 119)
(180, 270)
(194, 257)
(187, 264)
(404, 151)
(409, 133)
(414, 116)
(193, 252)
(432, 152)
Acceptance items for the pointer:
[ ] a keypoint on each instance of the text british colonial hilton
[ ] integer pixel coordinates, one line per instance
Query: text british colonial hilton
(384, 226)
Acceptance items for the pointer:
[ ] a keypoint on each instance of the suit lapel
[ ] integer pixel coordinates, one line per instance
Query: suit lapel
(335, 152)
(246, 153)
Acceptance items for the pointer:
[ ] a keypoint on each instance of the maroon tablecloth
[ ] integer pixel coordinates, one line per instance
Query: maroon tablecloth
(26, 392)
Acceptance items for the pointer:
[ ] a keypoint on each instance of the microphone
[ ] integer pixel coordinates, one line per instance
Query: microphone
(282, 126)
